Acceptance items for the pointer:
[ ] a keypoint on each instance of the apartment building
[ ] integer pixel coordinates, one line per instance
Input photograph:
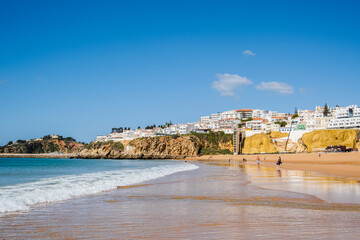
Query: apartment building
(244, 113)
(345, 117)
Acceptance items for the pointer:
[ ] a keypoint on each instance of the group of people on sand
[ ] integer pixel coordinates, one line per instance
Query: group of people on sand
(278, 162)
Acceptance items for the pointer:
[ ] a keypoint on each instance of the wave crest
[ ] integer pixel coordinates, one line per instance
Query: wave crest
(48, 190)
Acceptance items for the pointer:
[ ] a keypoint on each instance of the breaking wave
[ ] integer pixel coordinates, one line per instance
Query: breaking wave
(49, 190)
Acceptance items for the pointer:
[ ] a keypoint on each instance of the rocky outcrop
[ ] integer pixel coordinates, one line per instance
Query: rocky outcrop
(309, 142)
(301, 147)
(43, 146)
(167, 147)
(259, 143)
(108, 149)
(319, 140)
(277, 134)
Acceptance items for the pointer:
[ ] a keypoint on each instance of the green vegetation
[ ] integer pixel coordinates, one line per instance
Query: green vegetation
(212, 151)
(295, 116)
(46, 137)
(282, 124)
(214, 138)
(210, 142)
(167, 124)
(46, 145)
(97, 145)
(326, 110)
(51, 147)
(30, 147)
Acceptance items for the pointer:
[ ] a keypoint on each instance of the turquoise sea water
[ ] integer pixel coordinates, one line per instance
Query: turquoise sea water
(25, 182)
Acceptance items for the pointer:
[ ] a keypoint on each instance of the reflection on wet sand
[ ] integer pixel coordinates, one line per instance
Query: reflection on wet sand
(210, 202)
(332, 189)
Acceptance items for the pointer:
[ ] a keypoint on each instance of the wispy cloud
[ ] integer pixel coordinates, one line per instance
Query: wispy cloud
(278, 87)
(302, 90)
(3, 81)
(248, 52)
(227, 83)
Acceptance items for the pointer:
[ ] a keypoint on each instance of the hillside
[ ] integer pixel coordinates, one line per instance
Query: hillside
(45, 145)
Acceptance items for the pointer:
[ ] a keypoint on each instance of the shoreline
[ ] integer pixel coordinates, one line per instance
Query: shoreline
(334, 164)
(38, 155)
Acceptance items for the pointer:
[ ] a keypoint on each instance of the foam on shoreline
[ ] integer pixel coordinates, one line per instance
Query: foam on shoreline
(21, 197)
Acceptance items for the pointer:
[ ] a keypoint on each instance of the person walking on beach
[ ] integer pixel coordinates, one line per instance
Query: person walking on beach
(258, 160)
(278, 163)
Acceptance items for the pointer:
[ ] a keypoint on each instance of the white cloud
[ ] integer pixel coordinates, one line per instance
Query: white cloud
(228, 83)
(248, 52)
(278, 87)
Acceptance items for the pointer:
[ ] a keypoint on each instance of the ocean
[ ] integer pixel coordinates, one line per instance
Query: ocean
(27, 182)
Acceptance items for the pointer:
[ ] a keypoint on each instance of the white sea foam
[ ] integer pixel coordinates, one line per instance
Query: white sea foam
(22, 196)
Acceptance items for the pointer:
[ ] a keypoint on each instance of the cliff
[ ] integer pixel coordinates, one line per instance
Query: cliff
(162, 147)
(185, 145)
(43, 146)
(319, 140)
(165, 147)
(312, 141)
(259, 143)
(108, 149)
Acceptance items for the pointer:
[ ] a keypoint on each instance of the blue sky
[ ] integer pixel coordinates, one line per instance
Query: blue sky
(79, 68)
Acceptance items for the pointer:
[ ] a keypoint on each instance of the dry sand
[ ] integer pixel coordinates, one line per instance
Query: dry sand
(337, 164)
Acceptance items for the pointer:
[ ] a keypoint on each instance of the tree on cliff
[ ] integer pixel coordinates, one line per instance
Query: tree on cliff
(326, 110)
(295, 113)
(46, 137)
(282, 124)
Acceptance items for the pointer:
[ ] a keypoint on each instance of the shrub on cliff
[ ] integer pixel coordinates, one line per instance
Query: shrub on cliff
(213, 143)
(213, 151)
(214, 138)
(97, 145)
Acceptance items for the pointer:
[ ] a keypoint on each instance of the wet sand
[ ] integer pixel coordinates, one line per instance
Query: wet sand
(336, 164)
(216, 201)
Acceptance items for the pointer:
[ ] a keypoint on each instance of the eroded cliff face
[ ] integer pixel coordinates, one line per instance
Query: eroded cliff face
(318, 140)
(259, 143)
(43, 146)
(168, 147)
(165, 147)
(102, 150)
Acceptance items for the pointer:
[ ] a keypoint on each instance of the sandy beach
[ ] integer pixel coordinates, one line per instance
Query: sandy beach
(336, 164)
